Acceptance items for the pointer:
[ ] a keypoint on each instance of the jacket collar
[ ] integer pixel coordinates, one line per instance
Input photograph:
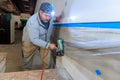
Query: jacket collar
(39, 21)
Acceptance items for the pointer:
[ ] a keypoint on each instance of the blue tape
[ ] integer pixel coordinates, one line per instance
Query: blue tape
(98, 72)
(114, 25)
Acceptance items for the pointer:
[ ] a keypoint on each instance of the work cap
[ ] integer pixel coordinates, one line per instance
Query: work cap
(46, 7)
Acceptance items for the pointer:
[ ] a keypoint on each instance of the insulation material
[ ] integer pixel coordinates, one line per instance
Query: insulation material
(7, 6)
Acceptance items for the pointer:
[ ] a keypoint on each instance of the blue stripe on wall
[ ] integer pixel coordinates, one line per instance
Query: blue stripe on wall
(91, 24)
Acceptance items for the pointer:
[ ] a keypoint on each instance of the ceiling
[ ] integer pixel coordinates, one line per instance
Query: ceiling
(18, 6)
(25, 6)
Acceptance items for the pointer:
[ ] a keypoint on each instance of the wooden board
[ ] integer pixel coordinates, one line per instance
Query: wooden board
(49, 74)
(2, 62)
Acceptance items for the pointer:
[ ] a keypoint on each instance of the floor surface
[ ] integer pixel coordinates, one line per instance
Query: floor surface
(14, 50)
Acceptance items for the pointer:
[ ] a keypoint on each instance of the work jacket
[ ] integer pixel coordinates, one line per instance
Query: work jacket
(34, 32)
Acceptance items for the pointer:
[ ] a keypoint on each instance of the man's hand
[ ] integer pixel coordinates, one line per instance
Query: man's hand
(60, 17)
(53, 47)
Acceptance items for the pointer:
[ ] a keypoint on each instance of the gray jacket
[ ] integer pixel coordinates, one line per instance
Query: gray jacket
(34, 32)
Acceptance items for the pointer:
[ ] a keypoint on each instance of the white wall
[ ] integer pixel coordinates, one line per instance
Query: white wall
(86, 10)
(92, 11)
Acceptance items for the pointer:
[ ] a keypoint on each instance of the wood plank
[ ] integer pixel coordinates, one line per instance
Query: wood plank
(2, 62)
(49, 74)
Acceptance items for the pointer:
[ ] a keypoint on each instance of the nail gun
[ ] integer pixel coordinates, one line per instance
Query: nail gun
(60, 51)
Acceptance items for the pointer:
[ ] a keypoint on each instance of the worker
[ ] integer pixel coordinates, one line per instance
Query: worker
(36, 43)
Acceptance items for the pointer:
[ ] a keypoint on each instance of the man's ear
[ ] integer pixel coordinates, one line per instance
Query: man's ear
(40, 11)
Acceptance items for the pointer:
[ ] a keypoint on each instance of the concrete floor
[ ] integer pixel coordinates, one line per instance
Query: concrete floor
(14, 58)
